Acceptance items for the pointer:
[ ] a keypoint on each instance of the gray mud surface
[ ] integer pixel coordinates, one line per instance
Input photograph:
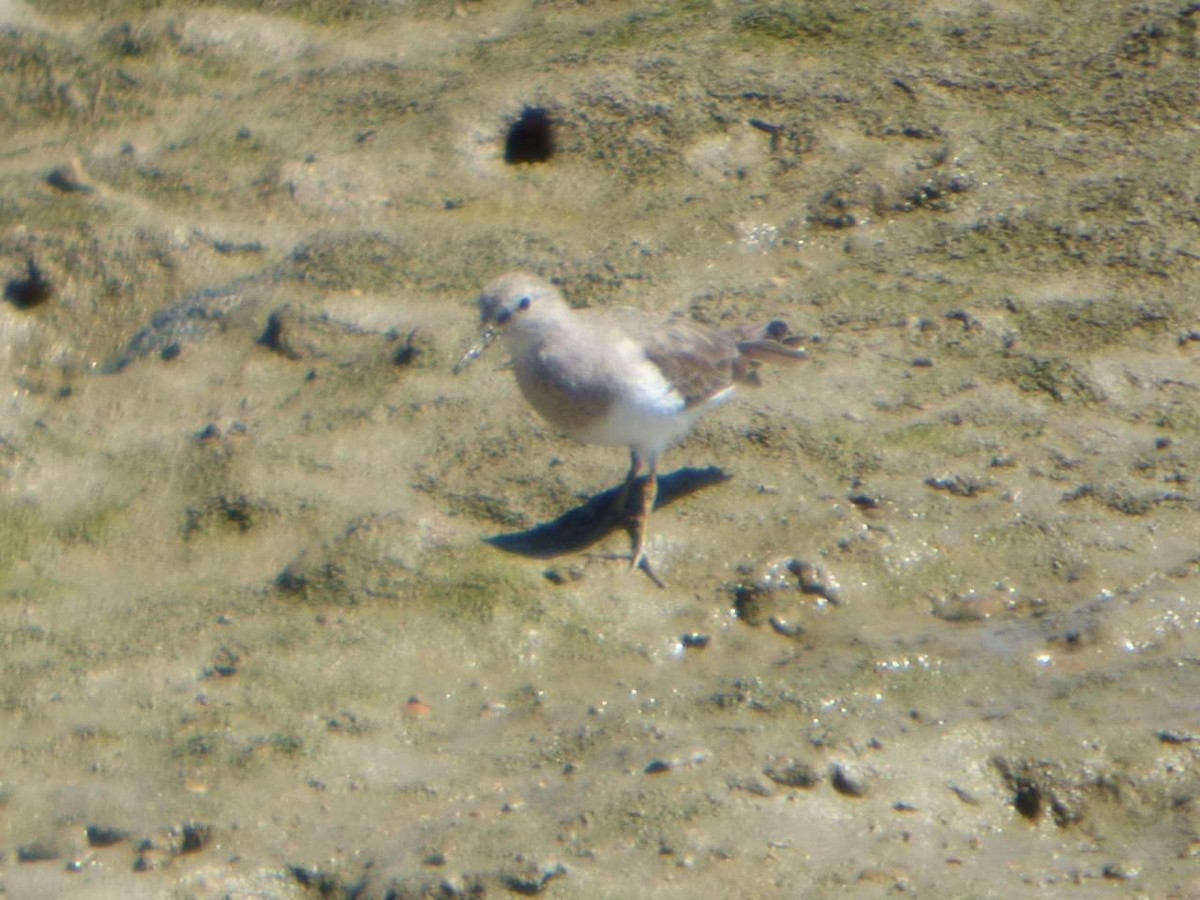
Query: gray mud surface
(281, 610)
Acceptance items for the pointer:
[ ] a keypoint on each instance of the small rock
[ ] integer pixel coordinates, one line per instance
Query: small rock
(793, 773)
(787, 629)
(37, 851)
(225, 663)
(755, 786)
(814, 580)
(71, 178)
(416, 709)
(956, 607)
(103, 836)
(772, 597)
(1167, 736)
(865, 501)
(959, 485)
(529, 885)
(1120, 871)
(848, 779)
(406, 354)
(32, 290)
(964, 795)
(193, 836)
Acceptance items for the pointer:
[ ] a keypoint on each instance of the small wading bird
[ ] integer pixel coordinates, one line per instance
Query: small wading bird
(619, 377)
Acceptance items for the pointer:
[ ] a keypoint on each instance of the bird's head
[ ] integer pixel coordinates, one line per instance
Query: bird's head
(517, 305)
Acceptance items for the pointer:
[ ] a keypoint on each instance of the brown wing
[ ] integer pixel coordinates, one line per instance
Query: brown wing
(698, 361)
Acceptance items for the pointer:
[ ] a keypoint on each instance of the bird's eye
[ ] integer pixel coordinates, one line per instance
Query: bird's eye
(523, 303)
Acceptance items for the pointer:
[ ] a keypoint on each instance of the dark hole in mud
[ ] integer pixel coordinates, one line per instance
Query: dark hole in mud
(194, 836)
(30, 291)
(1027, 800)
(530, 138)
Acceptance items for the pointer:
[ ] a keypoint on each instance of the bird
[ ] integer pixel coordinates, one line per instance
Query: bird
(619, 376)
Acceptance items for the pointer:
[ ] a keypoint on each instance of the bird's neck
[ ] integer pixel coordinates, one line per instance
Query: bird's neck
(529, 337)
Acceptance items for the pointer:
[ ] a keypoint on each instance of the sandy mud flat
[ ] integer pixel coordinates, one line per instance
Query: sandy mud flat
(287, 609)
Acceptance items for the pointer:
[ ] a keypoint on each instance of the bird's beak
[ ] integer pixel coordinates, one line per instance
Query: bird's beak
(485, 338)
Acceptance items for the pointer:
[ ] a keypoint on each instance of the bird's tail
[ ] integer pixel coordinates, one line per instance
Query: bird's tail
(768, 351)
(770, 343)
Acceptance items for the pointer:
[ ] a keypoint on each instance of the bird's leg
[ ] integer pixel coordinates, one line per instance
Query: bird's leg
(649, 495)
(635, 466)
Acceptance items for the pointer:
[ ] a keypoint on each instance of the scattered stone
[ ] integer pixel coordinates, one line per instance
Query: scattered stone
(865, 501)
(964, 795)
(1168, 736)
(103, 836)
(231, 513)
(192, 836)
(326, 885)
(1120, 871)
(787, 629)
(529, 885)
(657, 767)
(37, 851)
(969, 322)
(406, 354)
(225, 662)
(695, 640)
(232, 247)
(812, 579)
(960, 485)
(32, 290)
(272, 336)
(848, 779)
(772, 597)
(1039, 786)
(956, 607)
(415, 709)
(751, 785)
(793, 773)
(71, 178)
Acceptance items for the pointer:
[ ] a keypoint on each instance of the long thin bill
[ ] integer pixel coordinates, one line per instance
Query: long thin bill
(475, 352)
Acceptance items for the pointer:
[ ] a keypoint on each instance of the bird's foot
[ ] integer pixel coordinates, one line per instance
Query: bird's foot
(641, 562)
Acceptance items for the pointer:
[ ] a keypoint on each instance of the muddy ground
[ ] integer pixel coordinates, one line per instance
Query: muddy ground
(287, 609)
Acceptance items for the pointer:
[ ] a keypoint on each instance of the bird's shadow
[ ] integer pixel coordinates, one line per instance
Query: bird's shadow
(592, 520)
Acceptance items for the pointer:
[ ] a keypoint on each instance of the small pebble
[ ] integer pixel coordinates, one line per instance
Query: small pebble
(848, 779)
(32, 290)
(70, 177)
(416, 709)
(38, 851)
(103, 836)
(793, 773)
